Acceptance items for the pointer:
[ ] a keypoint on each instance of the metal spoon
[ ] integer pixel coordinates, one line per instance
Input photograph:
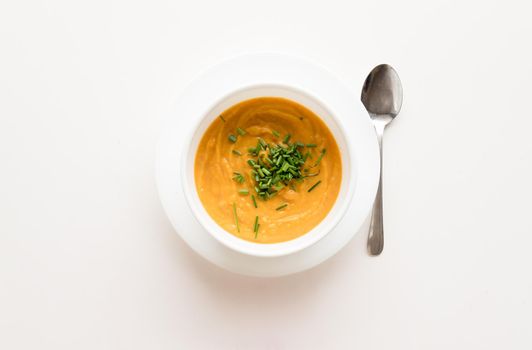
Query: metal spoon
(382, 95)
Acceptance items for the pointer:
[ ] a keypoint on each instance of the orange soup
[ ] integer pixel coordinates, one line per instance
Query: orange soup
(268, 170)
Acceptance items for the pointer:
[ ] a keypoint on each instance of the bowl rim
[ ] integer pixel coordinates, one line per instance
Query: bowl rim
(322, 229)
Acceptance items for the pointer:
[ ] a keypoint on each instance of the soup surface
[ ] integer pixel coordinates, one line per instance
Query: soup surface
(268, 170)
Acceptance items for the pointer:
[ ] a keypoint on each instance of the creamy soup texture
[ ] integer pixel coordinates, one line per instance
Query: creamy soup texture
(242, 179)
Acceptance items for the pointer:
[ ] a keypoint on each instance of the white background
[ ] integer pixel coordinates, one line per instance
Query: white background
(88, 259)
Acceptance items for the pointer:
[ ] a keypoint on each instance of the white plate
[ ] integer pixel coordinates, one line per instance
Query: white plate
(238, 73)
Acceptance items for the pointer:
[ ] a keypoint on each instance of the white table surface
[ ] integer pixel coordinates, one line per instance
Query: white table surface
(88, 259)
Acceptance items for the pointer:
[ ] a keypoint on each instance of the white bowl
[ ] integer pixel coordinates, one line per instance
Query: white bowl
(336, 213)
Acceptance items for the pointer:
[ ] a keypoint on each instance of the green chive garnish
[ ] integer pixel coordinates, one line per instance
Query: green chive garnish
(314, 186)
(321, 156)
(278, 165)
(279, 187)
(238, 177)
(281, 207)
(236, 217)
(222, 118)
(311, 145)
(254, 201)
(243, 191)
(276, 133)
(256, 226)
(236, 152)
(240, 131)
(232, 138)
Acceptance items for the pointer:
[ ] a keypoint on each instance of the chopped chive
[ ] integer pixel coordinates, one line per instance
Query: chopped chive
(254, 201)
(251, 162)
(321, 156)
(236, 217)
(240, 131)
(314, 186)
(279, 187)
(222, 118)
(281, 207)
(299, 144)
(236, 152)
(232, 138)
(256, 226)
(262, 142)
(276, 133)
(311, 145)
(287, 138)
(238, 177)
(243, 191)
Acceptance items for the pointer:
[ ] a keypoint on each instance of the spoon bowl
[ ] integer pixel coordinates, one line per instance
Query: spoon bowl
(382, 93)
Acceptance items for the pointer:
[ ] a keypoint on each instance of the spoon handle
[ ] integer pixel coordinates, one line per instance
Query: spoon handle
(376, 229)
